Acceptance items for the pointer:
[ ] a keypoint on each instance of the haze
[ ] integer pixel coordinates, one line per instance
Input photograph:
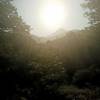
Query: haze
(72, 18)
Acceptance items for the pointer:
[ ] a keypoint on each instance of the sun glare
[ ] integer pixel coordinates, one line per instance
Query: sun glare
(53, 15)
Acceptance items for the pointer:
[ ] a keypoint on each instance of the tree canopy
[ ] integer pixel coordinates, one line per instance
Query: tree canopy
(67, 68)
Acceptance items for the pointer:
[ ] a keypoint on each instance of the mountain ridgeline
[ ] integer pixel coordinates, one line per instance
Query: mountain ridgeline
(75, 47)
(65, 66)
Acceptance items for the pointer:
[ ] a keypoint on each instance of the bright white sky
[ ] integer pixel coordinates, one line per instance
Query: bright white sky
(30, 9)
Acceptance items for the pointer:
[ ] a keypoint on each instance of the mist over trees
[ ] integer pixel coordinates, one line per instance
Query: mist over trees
(67, 68)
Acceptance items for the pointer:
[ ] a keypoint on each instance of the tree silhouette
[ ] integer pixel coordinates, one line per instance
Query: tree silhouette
(94, 10)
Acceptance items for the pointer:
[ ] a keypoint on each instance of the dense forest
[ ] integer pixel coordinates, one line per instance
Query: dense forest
(66, 68)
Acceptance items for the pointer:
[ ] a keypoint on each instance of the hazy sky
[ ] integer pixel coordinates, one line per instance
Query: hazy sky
(28, 10)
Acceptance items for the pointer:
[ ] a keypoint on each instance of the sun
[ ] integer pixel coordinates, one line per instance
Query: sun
(53, 15)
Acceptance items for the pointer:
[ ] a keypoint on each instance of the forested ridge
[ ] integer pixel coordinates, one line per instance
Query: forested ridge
(67, 68)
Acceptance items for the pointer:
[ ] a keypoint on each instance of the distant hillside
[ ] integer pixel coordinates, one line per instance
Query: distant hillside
(58, 34)
(72, 47)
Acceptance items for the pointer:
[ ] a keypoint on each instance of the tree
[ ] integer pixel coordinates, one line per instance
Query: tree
(14, 50)
(93, 11)
(9, 19)
(15, 40)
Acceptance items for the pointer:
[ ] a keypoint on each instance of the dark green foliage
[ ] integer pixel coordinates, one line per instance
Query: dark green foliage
(93, 12)
(67, 68)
